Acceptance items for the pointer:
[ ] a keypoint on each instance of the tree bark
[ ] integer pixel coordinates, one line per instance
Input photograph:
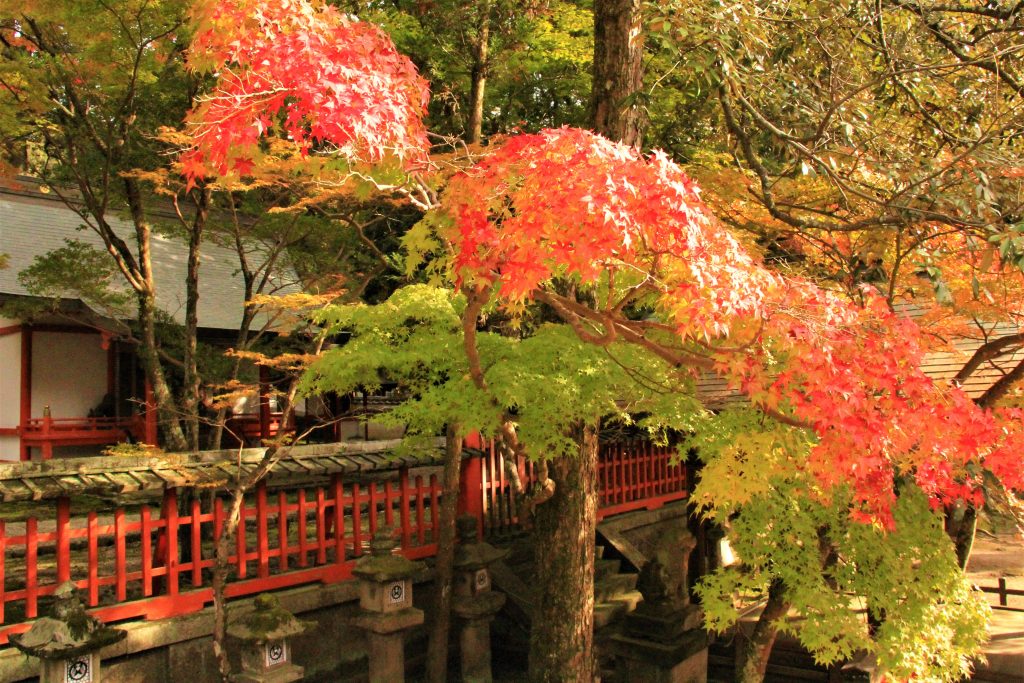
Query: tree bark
(478, 75)
(174, 437)
(752, 656)
(190, 391)
(437, 648)
(562, 630)
(219, 581)
(618, 71)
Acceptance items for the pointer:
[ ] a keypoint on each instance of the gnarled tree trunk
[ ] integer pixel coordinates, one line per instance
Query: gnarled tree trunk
(753, 654)
(562, 629)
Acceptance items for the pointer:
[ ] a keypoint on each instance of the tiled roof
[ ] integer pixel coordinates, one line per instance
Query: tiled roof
(115, 477)
(32, 224)
(939, 365)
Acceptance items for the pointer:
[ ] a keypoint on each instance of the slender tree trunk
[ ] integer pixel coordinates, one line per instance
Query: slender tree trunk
(478, 75)
(219, 581)
(562, 629)
(174, 437)
(752, 656)
(437, 649)
(618, 71)
(190, 391)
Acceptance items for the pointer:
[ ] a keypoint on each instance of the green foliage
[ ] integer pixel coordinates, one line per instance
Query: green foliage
(833, 569)
(549, 380)
(538, 68)
(77, 270)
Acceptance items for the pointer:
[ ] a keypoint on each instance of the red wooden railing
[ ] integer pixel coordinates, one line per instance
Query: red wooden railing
(154, 559)
(81, 428)
(638, 475)
(120, 560)
(631, 476)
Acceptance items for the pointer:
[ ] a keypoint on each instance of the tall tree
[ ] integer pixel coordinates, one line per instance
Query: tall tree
(849, 376)
(91, 83)
(618, 71)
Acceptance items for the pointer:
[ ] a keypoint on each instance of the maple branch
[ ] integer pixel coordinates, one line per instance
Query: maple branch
(986, 352)
(1001, 387)
(623, 328)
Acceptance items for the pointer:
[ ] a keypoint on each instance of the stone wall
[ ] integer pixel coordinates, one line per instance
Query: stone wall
(180, 649)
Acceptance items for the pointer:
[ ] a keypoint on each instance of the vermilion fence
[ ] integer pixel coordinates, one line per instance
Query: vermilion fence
(154, 558)
(638, 475)
(154, 562)
(633, 475)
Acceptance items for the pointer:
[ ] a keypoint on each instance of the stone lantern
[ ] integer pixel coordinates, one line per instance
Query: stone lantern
(662, 640)
(264, 634)
(68, 641)
(385, 601)
(474, 602)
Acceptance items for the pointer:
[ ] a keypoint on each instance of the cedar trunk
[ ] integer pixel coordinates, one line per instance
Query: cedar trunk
(562, 627)
(618, 71)
(437, 649)
(752, 655)
(478, 75)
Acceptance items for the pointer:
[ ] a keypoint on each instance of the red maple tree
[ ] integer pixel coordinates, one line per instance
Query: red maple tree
(568, 202)
(317, 76)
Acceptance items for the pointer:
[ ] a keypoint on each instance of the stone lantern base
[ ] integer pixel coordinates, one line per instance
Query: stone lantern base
(81, 669)
(683, 661)
(283, 673)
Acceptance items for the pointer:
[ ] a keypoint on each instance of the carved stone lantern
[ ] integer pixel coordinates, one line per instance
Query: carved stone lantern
(385, 601)
(662, 640)
(68, 641)
(264, 635)
(475, 603)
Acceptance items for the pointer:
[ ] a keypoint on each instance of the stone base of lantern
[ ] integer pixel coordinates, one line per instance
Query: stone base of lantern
(476, 614)
(683, 660)
(282, 673)
(82, 668)
(384, 636)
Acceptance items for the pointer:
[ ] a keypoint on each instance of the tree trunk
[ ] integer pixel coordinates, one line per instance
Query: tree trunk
(437, 649)
(618, 71)
(190, 391)
(174, 437)
(562, 630)
(961, 529)
(219, 580)
(478, 74)
(752, 656)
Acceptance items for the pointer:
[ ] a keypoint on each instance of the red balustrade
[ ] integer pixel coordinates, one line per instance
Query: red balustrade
(131, 562)
(154, 559)
(634, 475)
(638, 475)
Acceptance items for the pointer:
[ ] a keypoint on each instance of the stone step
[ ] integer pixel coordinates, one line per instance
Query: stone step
(614, 586)
(609, 611)
(603, 568)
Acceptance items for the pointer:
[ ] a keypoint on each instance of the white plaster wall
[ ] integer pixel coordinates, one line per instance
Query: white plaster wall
(10, 389)
(69, 373)
(10, 378)
(9, 446)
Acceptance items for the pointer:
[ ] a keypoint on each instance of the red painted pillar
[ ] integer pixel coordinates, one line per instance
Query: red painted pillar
(150, 435)
(111, 349)
(26, 387)
(264, 403)
(471, 501)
